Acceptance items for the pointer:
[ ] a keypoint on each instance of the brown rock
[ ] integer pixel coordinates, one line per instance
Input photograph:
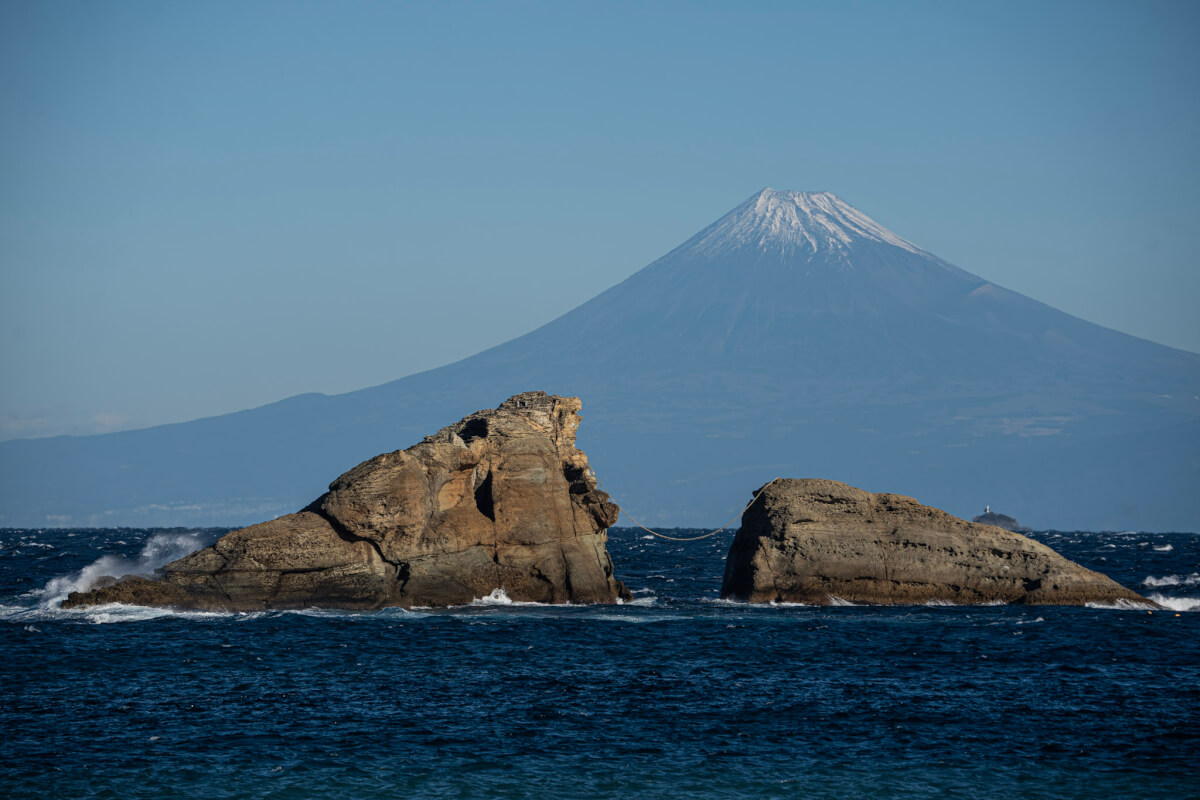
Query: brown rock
(816, 541)
(500, 500)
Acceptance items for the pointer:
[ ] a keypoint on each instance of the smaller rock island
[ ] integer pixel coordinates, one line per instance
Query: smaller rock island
(821, 542)
(501, 500)
(997, 520)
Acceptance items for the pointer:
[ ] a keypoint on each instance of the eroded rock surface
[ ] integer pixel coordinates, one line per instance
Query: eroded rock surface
(500, 500)
(820, 541)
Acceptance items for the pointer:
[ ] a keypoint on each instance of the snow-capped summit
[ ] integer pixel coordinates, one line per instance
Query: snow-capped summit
(792, 223)
(793, 336)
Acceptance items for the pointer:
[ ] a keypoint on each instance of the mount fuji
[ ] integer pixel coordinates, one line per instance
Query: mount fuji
(794, 336)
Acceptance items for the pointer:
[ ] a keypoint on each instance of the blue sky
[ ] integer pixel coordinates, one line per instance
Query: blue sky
(209, 206)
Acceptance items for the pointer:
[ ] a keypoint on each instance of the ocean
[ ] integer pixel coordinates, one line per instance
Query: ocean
(676, 694)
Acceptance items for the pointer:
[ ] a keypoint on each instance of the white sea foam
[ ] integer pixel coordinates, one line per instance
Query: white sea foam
(499, 597)
(1172, 580)
(1121, 605)
(936, 602)
(1176, 603)
(159, 549)
(837, 601)
(99, 615)
(1165, 548)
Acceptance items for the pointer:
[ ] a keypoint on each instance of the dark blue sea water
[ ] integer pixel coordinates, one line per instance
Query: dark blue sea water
(675, 695)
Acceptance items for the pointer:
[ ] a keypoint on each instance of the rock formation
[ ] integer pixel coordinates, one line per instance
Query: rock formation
(820, 541)
(500, 500)
(998, 520)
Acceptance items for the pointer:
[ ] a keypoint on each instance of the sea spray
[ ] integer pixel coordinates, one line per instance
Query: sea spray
(1176, 603)
(159, 549)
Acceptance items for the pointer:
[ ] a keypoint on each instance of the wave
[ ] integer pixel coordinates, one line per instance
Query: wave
(1121, 605)
(1172, 580)
(499, 597)
(159, 549)
(1176, 603)
(105, 614)
(638, 601)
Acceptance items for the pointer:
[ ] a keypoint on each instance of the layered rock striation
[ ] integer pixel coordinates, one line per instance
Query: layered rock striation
(821, 541)
(502, 499)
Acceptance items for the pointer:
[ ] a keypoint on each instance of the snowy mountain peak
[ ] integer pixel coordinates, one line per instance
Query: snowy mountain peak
(789, 223)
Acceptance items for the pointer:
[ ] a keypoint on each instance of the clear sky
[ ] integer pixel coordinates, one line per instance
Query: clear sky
(208, 206)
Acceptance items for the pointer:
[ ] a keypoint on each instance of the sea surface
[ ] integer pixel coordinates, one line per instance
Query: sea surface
(674, 695)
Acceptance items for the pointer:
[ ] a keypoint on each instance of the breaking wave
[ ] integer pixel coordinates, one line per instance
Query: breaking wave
(1176, 603)
(499, 597)
(1172, 580)
(159, 549)
(1122, 605)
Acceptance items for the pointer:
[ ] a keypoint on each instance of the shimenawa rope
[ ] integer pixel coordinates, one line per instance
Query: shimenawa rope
(688, 538)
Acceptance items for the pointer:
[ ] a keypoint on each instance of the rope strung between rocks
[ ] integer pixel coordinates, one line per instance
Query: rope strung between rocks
(687, 538)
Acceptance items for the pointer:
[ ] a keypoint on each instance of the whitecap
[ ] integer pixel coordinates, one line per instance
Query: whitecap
(1121, 605)
(1166, 548)
(1172, 580)
(939, 602)
(499, 597)
(631, 618)
(837, 601)
(1176, 603)
(120, 612)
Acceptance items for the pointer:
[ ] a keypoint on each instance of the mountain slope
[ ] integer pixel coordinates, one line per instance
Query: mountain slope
(794, 336)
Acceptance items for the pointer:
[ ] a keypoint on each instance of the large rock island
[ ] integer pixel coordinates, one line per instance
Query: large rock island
(499, 500)
(821, 542)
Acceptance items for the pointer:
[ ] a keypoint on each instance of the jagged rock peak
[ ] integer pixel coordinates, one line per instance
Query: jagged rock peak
(554, 415)
(791, 223)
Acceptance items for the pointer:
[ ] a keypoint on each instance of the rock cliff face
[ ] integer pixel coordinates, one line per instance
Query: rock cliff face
(500, 500)
(820, 541)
